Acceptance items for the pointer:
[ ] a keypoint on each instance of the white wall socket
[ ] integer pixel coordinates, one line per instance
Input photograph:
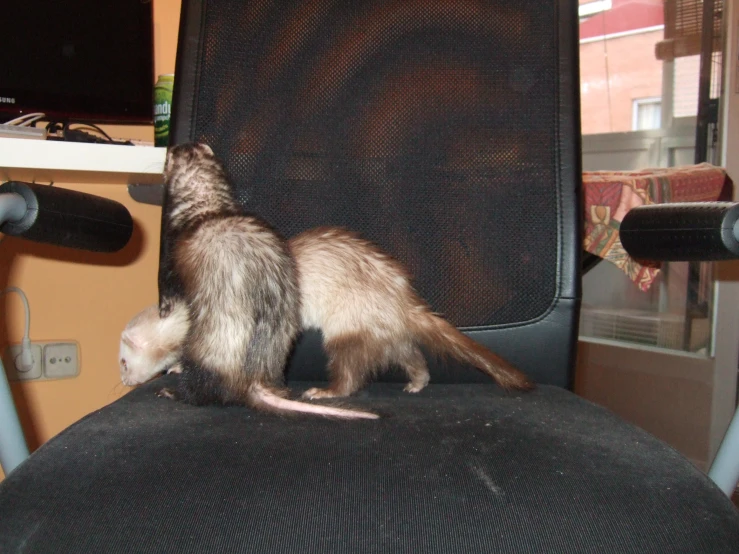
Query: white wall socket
(61, 359)
(51, 360)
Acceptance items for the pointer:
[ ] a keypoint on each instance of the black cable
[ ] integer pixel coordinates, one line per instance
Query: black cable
(68, 134)
(91, 126)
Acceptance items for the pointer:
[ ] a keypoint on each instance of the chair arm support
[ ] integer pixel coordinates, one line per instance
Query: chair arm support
(690, 231)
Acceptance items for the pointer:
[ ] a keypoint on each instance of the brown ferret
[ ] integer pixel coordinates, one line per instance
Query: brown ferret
(237, 279)
(361, 300)
(371, 317)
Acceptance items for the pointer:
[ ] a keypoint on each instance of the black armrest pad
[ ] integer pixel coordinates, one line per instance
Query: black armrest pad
(691, 231)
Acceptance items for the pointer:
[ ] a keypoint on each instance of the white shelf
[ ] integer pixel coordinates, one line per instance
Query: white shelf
(49, 160)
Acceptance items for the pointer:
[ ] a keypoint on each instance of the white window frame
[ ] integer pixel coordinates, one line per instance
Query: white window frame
(635, 103)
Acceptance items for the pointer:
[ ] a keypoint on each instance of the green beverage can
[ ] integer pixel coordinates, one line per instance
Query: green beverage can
(162, 108)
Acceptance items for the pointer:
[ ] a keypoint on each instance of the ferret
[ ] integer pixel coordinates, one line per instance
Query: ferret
(362, 301)
(371, 317)
(237, 280)
(150, 344)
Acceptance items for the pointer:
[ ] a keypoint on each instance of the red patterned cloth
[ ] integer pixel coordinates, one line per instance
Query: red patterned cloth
(610, 194)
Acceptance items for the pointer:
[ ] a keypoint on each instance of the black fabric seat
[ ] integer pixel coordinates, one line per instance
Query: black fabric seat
(448, 133)
(458, 468)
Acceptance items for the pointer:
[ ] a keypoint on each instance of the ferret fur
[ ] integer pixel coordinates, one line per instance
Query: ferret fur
(237, 279)
(363, 302)
(371, 317)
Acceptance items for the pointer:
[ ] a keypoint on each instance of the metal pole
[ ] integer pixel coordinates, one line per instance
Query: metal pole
(13, 447)
(704, 83)
(725, 467)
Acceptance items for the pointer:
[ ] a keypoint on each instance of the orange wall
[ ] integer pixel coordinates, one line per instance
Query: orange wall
(79, 296)
(85, 297)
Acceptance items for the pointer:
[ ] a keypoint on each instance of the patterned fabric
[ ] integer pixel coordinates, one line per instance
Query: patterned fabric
(610, 194)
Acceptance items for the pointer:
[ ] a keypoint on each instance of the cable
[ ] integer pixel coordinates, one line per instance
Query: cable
(26, 307)
(92, 126)
(26, 120)
(26, 355)
(67, 133)
(31, 120)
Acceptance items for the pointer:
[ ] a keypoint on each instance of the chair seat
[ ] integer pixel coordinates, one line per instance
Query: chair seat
(456, 468)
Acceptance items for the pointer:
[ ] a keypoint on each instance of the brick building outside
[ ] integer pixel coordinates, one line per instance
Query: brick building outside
(620, 75)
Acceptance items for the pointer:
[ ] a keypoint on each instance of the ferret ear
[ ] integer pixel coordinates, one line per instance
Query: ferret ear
(132, 340)
(205, 148)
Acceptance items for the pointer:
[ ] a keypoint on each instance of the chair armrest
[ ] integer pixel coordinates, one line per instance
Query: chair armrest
(690, 231)
(64, 217)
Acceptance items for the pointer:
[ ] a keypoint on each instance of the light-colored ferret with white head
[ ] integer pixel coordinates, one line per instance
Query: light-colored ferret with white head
(151, 344)
(361, 300)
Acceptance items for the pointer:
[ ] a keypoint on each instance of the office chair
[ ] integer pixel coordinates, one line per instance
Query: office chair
(447, 132)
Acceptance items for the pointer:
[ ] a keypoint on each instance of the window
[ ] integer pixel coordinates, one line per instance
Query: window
(617, 61)
(638, 59)
(646, 113)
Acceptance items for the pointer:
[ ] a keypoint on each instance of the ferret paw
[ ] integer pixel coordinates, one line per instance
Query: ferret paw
(315, 393)
(167, 393)
(414, 388)
(176, 368)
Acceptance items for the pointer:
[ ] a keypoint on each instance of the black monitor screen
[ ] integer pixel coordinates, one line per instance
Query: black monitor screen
(87, 60)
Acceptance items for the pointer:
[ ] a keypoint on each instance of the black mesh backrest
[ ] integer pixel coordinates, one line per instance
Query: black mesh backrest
(446, 132)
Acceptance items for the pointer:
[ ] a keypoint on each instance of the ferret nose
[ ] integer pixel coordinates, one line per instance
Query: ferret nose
(124, 366)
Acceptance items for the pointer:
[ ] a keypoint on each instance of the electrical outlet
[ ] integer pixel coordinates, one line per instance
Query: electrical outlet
(51, 360)
(61, 359)
(12, 353)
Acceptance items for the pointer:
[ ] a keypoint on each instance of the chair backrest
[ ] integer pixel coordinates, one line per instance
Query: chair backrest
(445, 131)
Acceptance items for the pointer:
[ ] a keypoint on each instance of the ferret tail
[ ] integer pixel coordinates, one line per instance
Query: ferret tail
(442, 338)
(267, 399)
